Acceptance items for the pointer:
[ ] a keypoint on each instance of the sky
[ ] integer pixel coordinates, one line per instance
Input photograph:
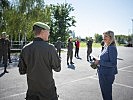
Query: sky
(98, 16)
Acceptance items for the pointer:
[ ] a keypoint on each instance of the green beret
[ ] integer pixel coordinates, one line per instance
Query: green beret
(42, 25)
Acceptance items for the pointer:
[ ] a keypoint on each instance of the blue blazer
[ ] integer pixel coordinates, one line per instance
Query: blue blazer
(108, 61)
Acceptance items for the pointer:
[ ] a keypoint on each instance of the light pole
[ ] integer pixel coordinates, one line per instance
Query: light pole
(132, 26)
(132, 34)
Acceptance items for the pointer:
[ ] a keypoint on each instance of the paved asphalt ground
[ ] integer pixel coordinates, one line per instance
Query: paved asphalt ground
(74, 82)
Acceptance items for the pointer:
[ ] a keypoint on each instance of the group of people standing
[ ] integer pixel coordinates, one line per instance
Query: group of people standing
(5, 50)
(70, 47)
(38, 58)
(77, 45)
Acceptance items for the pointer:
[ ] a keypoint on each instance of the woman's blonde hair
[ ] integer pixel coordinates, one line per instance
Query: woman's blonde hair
(112, 36)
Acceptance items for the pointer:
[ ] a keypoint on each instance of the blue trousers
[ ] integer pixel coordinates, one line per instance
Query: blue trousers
(106, 82)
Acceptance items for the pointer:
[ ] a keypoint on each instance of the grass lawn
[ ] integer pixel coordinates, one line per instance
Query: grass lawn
(97, 45)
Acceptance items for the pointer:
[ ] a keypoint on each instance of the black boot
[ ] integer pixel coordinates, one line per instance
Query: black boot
(10, 61)
(71, 62)
(5, 71)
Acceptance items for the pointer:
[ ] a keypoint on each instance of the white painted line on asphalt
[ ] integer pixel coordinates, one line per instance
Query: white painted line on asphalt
(76, 80)
(57, 85)
(126, 71)
(10, 88)
(91, 77)
(127, 86)
(14, 95)
(125, 67)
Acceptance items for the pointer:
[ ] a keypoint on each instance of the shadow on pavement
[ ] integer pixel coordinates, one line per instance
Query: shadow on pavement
(78, 58)
(14, 60)
(120, 59)
(2, 74)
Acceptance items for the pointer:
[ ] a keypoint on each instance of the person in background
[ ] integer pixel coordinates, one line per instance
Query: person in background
(107, 65)
(58, 45)
(70, 51)
(4, 45)
(102, 44)
(89, 48)
(9, 49)
(37, 59)
(77, 45)
(0, 49)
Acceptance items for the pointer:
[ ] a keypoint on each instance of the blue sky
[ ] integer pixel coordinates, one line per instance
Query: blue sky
(98, 16)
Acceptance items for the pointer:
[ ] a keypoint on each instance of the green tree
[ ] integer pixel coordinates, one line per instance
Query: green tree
(61, 21)
(4, 6)
(32, 10)
(98, 38)
(21, 15)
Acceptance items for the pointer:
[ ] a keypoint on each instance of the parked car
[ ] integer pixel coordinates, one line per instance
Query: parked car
(129, 44)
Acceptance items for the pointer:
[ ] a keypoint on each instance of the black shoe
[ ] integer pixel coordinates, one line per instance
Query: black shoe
(71, 63)
(78, 57)
(67, 63)
(5, 71)
(10, 62)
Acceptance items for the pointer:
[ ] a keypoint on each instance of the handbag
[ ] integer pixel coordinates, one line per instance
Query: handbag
(92, 63)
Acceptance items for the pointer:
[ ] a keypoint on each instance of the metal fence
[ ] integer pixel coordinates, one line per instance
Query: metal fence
(16, 46)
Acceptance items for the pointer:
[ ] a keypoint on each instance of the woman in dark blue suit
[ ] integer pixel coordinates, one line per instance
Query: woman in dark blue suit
(107, 65)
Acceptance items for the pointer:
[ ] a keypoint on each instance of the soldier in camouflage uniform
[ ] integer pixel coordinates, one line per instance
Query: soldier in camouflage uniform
(4, 45)
(89, 49)
(58, 46)
(69, 51)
